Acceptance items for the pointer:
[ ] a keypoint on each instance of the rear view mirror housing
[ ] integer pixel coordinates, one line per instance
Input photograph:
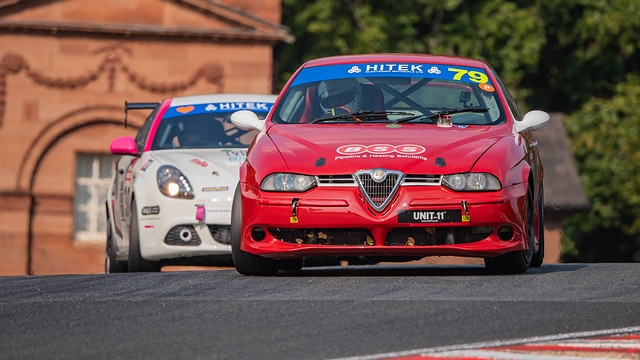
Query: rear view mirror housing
(247, 120)
(124, 145)
(533, 120)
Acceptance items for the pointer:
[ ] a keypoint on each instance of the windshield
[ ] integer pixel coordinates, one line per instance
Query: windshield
(388, 92)
(203, 126)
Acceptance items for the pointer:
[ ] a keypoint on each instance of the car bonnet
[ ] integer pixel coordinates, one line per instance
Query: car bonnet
(415, 149)
(206, 169)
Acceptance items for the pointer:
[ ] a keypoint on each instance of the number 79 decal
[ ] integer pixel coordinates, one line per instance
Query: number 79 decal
(474, 76)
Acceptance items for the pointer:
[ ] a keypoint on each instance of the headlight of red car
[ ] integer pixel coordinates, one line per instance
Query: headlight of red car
(173, 183)
(287, 182)
(471, 182)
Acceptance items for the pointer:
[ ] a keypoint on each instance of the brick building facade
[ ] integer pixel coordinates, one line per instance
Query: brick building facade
(66, 68)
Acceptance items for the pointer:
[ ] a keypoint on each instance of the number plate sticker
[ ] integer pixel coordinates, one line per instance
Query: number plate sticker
(430, 216)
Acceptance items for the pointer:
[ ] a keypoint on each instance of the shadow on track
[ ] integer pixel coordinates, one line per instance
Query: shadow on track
(420, 270)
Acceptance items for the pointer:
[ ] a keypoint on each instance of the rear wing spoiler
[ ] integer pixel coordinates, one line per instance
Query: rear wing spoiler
(137, 106)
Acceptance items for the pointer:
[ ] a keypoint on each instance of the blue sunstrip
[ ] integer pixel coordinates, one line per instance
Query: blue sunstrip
(432, 71)
(217, 108)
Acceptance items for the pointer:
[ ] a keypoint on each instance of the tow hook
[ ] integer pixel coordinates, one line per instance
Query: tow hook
(199, 212)
(294, 211)
(465, 210)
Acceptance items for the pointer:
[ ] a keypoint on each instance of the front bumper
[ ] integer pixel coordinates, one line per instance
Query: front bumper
(175, 231)
(337, 221)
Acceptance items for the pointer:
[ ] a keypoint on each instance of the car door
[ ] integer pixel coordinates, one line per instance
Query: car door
(125, 169)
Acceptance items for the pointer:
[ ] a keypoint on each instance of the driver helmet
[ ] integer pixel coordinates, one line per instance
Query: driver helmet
(190, 131)
(343, 94)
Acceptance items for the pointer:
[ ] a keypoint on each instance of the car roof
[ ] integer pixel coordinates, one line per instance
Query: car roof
(216, 98)
(404, 58)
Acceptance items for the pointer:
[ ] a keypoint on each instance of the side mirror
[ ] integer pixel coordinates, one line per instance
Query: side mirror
(124, 146)
(533, 120)
(247, 120)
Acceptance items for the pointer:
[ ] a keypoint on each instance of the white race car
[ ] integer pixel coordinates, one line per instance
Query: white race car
(172, 189)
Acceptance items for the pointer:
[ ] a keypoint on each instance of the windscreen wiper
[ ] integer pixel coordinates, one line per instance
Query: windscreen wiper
(361, 115)
(442, 113)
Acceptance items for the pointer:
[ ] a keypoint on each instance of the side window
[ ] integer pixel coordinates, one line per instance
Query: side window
(510, 102)
(143, 133)
(93, 177)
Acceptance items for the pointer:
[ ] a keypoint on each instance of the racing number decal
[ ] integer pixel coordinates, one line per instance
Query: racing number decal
(474, 76)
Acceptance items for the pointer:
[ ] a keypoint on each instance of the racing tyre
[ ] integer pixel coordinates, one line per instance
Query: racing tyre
(111, 265)
(245, 262)
(516, 261)
(538, 256)
(136, 262)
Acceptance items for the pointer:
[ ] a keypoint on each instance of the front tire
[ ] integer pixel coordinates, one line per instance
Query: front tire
(538, 256)
(245, 262)
(111, 265)
(136, 262)
(516, 262)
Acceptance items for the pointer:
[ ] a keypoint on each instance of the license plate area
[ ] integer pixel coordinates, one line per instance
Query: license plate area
(429, 216)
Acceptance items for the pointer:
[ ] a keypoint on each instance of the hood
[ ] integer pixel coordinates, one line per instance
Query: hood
(410, 148)
(207, 169)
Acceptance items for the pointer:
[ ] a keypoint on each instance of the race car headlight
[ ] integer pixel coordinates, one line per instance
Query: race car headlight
(173, 183)
(288, 182)
(471, 182)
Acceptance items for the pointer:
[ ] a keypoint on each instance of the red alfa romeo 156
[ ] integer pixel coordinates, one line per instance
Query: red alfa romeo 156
(390, 157)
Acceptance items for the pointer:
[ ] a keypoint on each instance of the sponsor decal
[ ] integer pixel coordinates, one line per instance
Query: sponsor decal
(434, 70)
(372, 70)
(200, 162)
(151, 210)
(146, 165)
(236, 156)
(406, 149)
(358, 151)
(185, 109)
(215, 188)
(394, 68)
(486, 87)
(223, 107)
(216, 210)
(429, 216)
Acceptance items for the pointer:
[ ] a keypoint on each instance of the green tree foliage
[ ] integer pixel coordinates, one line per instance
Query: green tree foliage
(571, 56)
(604, 140)
(591, 46)
(497, 31)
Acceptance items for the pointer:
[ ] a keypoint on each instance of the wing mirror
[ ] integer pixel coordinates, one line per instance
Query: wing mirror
(533, 120)
(124, 146)
(247, 120)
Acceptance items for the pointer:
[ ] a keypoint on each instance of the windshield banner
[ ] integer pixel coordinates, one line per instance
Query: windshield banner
(432, 71)
(224, 107)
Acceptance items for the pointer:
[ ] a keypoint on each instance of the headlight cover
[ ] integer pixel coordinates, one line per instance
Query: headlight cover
(172, 183)
(471, 182)
(286, 182)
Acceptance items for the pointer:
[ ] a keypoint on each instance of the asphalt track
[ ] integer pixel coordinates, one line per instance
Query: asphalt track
(360, 312)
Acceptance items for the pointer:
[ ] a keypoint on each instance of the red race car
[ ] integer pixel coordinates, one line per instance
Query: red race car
(390, 157)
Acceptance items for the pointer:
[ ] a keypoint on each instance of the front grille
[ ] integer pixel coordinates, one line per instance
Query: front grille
(336, 180)
(324, 236)
(433, 236)
(378, 193)
(173, 236)
(417, 180)
(221, 233)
